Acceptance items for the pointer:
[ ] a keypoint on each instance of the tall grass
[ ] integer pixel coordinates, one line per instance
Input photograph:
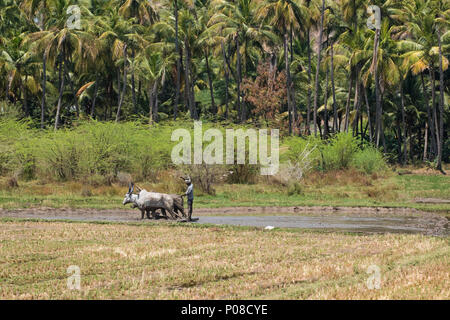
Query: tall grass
(340, 152)
(369, 160)
(98, 152)
(87, 150)
(13, 155)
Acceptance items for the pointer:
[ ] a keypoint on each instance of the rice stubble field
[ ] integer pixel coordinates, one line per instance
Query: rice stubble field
(171, 261)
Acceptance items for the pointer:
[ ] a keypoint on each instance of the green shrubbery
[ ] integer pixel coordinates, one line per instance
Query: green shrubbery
(88, 150)
(96, 152)
(340, 152)
(369, 160)
(13, 154)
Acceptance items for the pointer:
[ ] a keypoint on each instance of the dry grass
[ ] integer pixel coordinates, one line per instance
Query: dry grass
(339, 188)
(167, 261)
(341, 177)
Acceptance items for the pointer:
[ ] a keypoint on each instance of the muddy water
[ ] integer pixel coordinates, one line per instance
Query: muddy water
(353, 224)
(353, 221)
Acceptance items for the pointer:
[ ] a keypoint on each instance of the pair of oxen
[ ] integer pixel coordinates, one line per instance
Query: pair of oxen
(170, 205)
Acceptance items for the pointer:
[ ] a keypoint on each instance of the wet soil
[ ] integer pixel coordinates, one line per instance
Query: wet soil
(351, 219)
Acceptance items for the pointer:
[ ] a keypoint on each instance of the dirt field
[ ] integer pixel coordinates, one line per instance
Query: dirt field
(365, 220)
(121, 256)
(185, 261)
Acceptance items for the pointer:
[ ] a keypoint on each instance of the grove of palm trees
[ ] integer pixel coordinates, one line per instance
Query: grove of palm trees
(160, 60)
(351, 95)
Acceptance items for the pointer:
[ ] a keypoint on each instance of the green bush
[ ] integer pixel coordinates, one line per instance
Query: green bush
(295, 188)
(243, 173)
(91, 148)
(296, 146)
(338, 153)
(369, 160)
(14, 155)
(104, 149)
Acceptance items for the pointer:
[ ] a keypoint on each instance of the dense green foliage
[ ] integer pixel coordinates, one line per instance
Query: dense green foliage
(84, 151)
(96, 151)
(198, 59)
(337, 153)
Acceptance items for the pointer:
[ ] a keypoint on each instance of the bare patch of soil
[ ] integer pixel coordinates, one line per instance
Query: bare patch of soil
(358, 219)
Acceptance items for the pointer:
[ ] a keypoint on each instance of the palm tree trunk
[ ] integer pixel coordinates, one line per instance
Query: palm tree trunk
(433, 108)
(288, 82)
(192, 93)
(402, 98)
(151, 92)
(369, 122)
(333, 89)
(177, 50)
(25, 98)
(124, 83)
(138, 97)
(356, 103)
(189, 86)
(211, 89)
(225, 68)
(308, 97)
(441, 106)
(425, 144)
(62, 65)
(383, 138)
(430, 119)
(398, 133)
(378, 126)
(107, 113)
(94, 99)
(118, 86)
(44, 86)
(155, 101)
(361, 122)
(238, 80)
(293, 103)
(347, 105)
(133, 89)
(319, 49)
(192, 83)
(291, 35)
(325, 104)
(186, 80)
(74, 94)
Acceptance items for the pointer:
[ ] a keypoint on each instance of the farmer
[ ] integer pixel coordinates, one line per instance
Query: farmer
(190, 195)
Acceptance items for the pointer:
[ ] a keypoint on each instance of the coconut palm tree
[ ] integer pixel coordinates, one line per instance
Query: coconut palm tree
(442, 21)
(21, 66)
(319, 57)
(31, 7)
(284, 16)
(118, 34)
(239, 23)
(145, 13)
(152, 66)
(334, 28)
(59, 42)
(190, 31)
(421, 49)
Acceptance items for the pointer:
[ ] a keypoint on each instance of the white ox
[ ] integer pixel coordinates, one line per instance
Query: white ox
(151, 201)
